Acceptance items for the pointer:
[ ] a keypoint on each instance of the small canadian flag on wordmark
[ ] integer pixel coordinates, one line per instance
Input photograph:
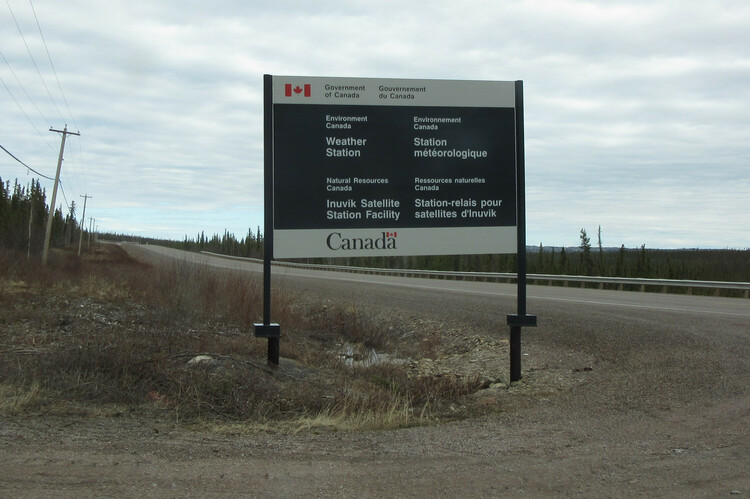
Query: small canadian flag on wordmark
(306, 90)
(391, 234)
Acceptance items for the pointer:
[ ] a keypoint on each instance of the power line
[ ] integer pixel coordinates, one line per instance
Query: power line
(52, 65)
(71, 172)
(23, 88)
(54, 71)
(40, 174)
(67, 204)
(34, 60)
(83, 165)
(52, 99)
(24, 112)
(24, 164)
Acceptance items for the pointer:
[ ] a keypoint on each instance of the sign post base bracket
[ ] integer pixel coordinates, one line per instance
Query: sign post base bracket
(267, 330)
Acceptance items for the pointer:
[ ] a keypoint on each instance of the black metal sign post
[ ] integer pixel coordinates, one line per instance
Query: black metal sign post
(520, 319)
(393, 167)
(268, 329)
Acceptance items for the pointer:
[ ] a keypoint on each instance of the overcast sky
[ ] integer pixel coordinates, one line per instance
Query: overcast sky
(637, 113)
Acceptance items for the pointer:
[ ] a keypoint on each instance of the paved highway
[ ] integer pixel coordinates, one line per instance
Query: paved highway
(626, 301)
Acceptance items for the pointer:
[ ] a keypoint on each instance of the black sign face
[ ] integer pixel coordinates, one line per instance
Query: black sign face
(364, 179)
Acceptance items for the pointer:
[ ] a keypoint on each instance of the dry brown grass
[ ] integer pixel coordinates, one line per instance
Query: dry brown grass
(107, 331)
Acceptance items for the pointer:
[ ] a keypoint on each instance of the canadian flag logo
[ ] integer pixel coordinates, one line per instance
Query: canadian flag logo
(290, 90)
(391, 234)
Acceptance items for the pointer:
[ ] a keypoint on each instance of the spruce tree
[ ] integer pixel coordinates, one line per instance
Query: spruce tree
(642, 268)
(4, 212)
(620, 265)
(601, 252)
(586, 262)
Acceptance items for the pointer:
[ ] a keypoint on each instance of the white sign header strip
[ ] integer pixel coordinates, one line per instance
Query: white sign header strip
(392, 92)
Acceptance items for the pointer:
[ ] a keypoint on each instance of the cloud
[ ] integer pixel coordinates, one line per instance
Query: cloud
(635, 111)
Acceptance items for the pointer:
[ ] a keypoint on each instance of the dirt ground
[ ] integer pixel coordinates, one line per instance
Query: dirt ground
(612, 403)
(545, 446)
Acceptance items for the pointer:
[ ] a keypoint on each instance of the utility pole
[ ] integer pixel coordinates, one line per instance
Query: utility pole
(45, 251)
(31, 220)
(91, 226)
(83, 221)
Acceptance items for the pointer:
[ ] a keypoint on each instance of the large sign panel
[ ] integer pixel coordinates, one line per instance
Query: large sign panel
(383, 167)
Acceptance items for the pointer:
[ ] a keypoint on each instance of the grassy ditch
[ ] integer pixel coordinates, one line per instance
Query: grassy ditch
(109, 335)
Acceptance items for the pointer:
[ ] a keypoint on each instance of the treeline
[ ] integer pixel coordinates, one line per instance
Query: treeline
(250, 246)
(683, 264)
(585, 259)
(690, 264)
(23, 219)
(23, 216)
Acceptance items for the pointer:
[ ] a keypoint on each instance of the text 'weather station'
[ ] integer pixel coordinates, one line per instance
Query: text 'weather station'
(377, 167)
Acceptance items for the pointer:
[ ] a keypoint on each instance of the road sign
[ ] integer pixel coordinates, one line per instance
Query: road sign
(387, 167)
